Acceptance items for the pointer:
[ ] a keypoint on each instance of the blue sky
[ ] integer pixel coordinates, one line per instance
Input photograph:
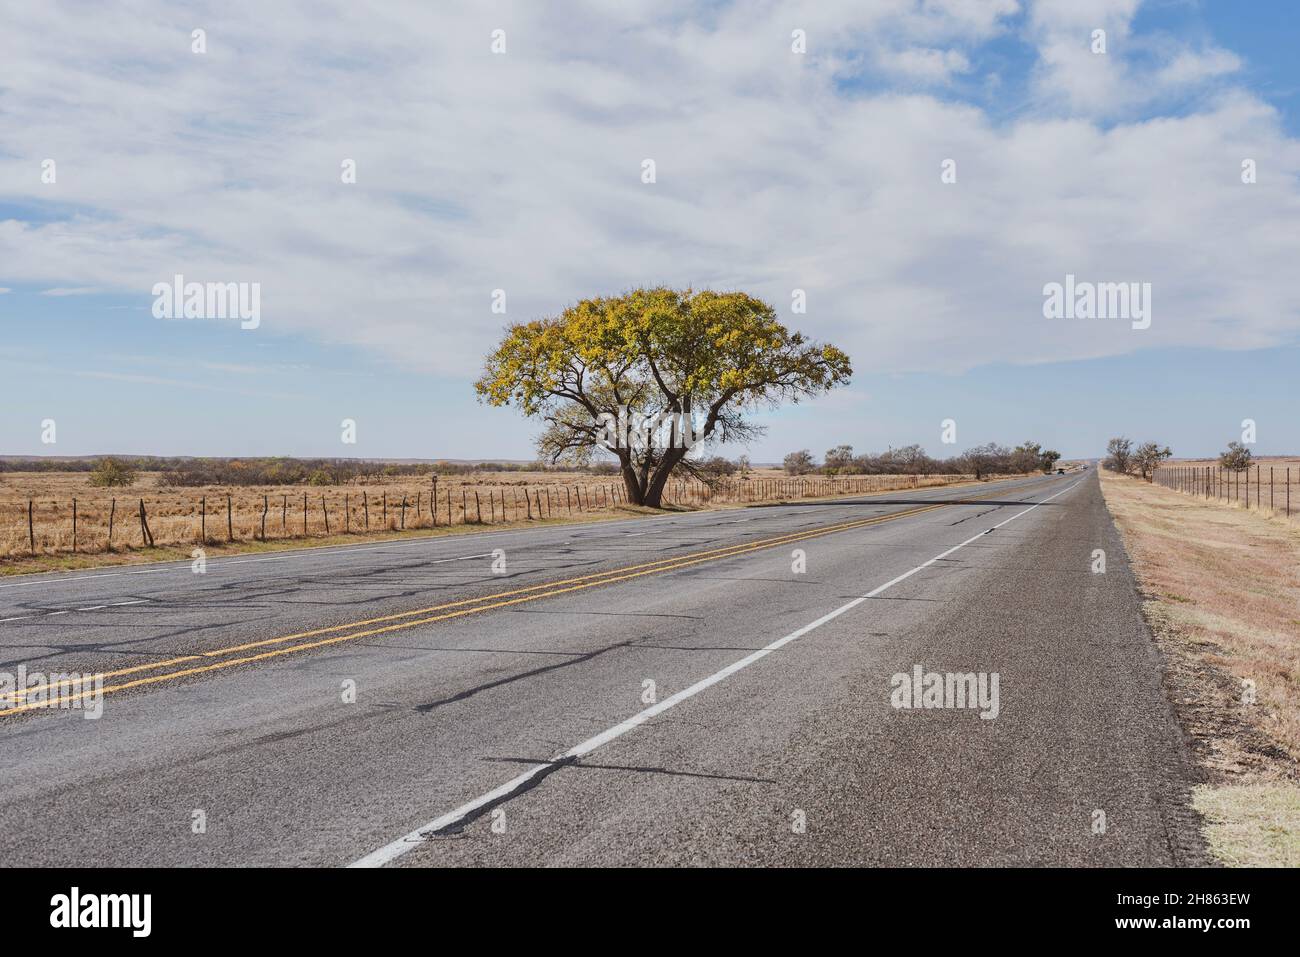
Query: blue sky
(520, 171)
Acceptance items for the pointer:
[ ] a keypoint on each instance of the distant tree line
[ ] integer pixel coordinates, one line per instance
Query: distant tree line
(118, 471)
(286, 471)
(914, 460)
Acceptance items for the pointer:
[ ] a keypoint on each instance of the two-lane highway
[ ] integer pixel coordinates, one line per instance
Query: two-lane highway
(700, 688)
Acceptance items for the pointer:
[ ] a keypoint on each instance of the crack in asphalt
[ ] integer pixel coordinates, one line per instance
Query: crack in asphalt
(521, 676)
(581, 765)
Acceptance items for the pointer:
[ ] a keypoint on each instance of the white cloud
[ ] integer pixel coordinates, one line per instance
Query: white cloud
(926, 65)
(71, 291)
(521, 172)
(1190, 68)
(1133, 73)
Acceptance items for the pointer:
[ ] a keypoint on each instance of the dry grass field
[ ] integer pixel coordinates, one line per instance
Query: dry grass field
(1277, 461)
(1271, 483)
(251, 517)
(1222, 590)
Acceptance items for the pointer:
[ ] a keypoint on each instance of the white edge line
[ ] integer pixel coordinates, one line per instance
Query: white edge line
(392, 851)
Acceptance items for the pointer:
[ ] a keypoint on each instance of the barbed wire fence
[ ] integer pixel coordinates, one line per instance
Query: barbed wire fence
(1271, 490)
(107, 522)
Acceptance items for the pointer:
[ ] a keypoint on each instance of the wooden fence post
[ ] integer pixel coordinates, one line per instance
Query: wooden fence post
(403, 510)
(326, 512)
(146, 536)
(31, 530)
(74, 524)
(304, 513)
(203, 520)
(230, 519)
(433, 502)
(266, 507)
(347, 514)
(112, 513)
(365, 504)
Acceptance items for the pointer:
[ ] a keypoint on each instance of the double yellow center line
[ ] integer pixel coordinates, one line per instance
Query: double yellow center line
(410, 619)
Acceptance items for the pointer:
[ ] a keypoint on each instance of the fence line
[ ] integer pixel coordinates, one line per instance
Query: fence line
(93, 527)
(1225, 485)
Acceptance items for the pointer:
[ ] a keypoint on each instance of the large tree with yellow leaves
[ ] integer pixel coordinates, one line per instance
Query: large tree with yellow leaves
(652, 374)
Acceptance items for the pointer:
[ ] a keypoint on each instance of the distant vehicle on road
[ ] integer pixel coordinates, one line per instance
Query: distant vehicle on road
(1060, 471)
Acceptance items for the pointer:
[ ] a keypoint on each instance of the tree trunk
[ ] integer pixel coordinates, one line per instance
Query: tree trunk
(631, 483)
(654, 492)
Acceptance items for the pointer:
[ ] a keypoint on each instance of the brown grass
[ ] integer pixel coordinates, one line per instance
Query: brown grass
(1277, 461)
(1222, 589)
(1269, 484)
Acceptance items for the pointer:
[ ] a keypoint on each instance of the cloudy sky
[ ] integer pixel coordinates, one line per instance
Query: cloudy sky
(522, 171)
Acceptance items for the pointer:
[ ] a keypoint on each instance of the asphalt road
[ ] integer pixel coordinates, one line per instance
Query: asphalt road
(662, 691)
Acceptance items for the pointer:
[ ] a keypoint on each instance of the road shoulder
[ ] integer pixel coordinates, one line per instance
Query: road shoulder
(1220, 589)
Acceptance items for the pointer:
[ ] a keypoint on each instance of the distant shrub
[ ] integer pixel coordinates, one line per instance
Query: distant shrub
(799, 463)
(1148, 457)
(112, 473)
(1236, 458)
(716, 467)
